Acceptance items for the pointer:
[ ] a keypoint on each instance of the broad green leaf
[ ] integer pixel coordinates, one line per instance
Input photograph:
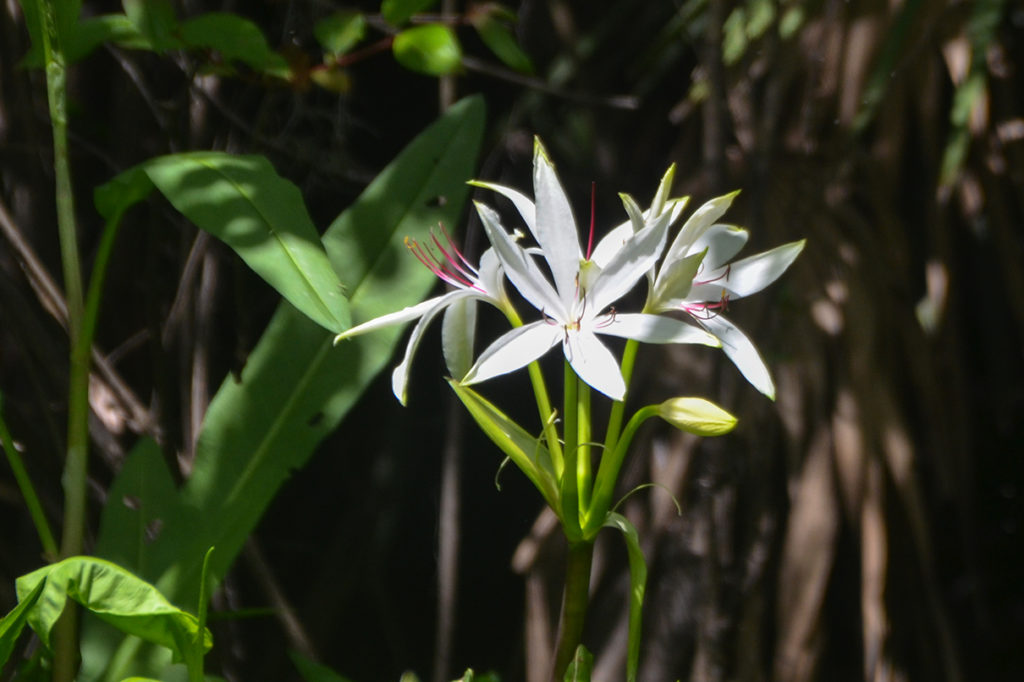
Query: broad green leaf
(314, 672)
(498, 37)
(339, 32)
(155, 20)
(141, 501)
(397, 12)
(697, 415)
(244, 202)
(296, 386)
(114, 595)
(14, 622)
(580, 667)
(236, 39)
(525, 450)
(637, 587)
(432, 49)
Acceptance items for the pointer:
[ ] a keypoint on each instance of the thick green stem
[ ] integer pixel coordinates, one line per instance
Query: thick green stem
(574, 604)
(75, 466)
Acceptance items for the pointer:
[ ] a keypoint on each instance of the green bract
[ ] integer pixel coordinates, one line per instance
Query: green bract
(697, 415)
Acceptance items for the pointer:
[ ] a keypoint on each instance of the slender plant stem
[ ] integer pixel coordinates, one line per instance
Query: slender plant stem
(35, 509)
(540, 393)
(574, 603)
(608, 472)
(75, 465)
(569, 493)
(619, 406)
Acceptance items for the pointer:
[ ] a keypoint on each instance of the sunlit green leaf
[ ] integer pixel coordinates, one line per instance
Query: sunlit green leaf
(397, 12)
(432, 49)
(637, 587)
(236, 39)
(339, 32)
(116, 596)
(242, 201)
(296, 386)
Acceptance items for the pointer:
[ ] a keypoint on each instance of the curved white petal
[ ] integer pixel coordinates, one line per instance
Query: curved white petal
(458, 334)
(752, 274)
(594, 363)
(400, 375)
(490, 274)
(522, 203)
(722, 242)
(697, 224)
(520, 268)
(743, 354)
(610, 244)
(512, 350)
(654, 329)
(556, 228)
(636, 257)
(398, 317)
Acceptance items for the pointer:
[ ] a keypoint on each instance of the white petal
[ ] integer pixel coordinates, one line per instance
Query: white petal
(398, 317)
(722, 242)
(400, 375)
(611, 243)
(697, 224)
(556, 228)
(491, 274)
(653, 329)
(743, 353)
(520, 268)
(522, 203)
(752, 274)
(594, 363)
(458, 333)
(512, 350)
(637, 256)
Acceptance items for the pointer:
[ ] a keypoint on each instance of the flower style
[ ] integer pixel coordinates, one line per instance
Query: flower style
(578, 306)
(697, 278)
(472, 284)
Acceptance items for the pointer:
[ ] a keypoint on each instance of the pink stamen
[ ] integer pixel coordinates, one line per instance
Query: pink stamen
(724, 275)
(590, 239)
(706, 311)
(446, 267)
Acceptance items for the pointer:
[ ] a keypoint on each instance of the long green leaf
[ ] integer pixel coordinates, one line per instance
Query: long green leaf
(525, 450)
(116, 596)
(244, 202)
(638, 585)
(296, 386)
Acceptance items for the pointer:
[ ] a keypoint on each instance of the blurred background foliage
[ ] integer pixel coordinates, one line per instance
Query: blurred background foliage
(865, 526)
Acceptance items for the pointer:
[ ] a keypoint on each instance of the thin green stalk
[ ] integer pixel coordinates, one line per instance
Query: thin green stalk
(540, 393)
(574, 603)
(583, 474)
(608, 472)
(569, 483)
(75, 466)
(619, 406)
(35, 509)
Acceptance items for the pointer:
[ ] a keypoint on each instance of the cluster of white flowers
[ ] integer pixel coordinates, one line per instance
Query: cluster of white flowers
(694, 281)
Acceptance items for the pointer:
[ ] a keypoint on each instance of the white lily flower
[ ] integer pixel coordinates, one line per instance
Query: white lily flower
(697, 278)
(578, 306)
(471, 284)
